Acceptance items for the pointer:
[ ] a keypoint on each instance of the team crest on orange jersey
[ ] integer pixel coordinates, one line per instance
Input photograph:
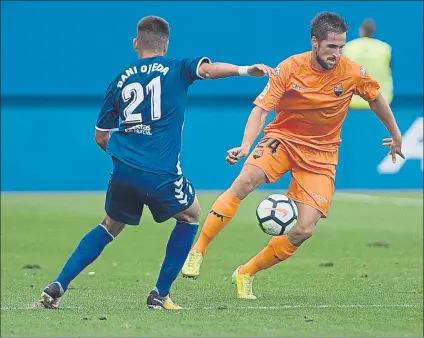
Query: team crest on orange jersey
(338, 90)
(258, 153)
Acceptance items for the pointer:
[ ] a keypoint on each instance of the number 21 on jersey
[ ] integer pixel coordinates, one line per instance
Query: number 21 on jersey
(134, 92)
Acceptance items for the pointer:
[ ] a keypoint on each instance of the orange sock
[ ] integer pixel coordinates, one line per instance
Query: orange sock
(223, 210)
(278, 249)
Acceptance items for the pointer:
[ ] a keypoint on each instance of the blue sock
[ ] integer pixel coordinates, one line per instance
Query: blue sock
(90, 247)
(178, 247)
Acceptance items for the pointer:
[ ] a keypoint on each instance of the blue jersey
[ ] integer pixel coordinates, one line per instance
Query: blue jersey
(144, 109)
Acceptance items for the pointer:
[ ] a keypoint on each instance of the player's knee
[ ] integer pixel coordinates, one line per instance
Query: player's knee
(195, 216)
(302, 232)
(246, 182)
(191, 215)
(112, 226)
(306, 234)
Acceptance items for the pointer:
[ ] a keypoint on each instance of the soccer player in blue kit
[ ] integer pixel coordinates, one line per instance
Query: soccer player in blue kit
(140, 126)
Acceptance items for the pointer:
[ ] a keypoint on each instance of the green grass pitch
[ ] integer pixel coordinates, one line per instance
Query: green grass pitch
(361, 274)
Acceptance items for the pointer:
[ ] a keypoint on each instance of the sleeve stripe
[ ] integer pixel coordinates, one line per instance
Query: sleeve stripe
(101, 129)
(198, 65)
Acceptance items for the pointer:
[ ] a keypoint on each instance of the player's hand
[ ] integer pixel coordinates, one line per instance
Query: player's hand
(395, 145)
(261, 70)
(235, 154)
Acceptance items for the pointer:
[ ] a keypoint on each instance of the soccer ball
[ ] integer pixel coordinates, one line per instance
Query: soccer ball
(277, 215)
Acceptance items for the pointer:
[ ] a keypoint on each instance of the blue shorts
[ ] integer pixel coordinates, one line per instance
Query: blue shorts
(130, 189)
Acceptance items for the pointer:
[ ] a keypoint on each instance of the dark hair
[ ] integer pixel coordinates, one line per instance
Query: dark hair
(368, 27)
(325, 23)
(152, 33)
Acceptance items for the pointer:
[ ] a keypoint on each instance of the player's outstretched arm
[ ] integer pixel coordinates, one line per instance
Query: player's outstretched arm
(382, 109)
(254, 126)
(219, 70)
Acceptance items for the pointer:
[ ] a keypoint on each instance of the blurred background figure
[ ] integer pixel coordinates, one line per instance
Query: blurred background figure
(376, 57)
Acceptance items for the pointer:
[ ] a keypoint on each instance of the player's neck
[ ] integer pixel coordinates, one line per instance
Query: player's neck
(315, 64)
(148, 54)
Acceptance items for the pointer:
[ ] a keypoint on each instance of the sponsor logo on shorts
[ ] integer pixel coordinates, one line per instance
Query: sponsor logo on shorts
(221, 217)
(258, 153)
(319, 197)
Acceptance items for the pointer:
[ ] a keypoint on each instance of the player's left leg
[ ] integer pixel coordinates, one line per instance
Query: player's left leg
(312, 194)
(181, 199)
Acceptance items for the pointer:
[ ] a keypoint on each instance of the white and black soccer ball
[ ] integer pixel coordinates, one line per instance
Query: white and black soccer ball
(277, 215)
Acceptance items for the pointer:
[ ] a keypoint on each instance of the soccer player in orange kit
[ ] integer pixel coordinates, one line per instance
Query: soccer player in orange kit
(310, 94)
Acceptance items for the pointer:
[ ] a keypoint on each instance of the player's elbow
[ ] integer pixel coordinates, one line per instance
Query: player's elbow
(379, 100)
(261, 112)
(206, 70)
(372, 105)
(101, 138)
(102, 144)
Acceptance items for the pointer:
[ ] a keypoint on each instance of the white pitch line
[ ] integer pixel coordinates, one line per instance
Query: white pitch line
(13, 308)
(288, 307)
(361, 198)
(281, 307)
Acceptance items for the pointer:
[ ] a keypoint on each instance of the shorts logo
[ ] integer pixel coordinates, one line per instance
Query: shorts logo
(319, 197)
(179, 193)
(258, 153)
(363, 71)
(338, 90)
(221, 217)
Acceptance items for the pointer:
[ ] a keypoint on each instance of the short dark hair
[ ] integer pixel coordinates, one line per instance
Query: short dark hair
(368, 27)
(152, 33)
(327, 22)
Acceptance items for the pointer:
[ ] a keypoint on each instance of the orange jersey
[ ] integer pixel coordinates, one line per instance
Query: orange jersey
(311, 105)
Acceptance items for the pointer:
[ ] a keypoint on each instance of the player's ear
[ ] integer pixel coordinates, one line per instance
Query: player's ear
(165, 49)
(135, 44)
(314, 42)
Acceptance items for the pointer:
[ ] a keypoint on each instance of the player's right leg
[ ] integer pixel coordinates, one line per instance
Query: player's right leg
(176, 198)
(263, 165)
(177, 249)
(122, 207)
(88, 249)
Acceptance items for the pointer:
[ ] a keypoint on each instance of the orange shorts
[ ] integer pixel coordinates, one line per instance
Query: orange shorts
(312, 170)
